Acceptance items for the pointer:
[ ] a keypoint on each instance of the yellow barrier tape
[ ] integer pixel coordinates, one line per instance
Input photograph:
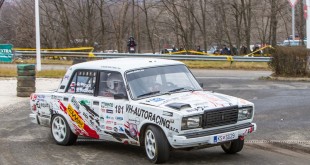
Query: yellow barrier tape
(253, 53)
(202, 53)
(190, 51)
(53, 49)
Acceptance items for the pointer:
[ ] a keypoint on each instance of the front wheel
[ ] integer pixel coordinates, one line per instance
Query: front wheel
(61, 131)
(156, 145)
(233, 146)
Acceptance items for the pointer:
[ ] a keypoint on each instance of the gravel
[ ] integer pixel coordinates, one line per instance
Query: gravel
(8, 99)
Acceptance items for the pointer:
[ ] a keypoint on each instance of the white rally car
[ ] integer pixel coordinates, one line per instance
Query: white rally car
(154, 103)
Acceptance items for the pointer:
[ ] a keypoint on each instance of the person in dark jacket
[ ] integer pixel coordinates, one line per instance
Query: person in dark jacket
(225, 51)
(131, 45)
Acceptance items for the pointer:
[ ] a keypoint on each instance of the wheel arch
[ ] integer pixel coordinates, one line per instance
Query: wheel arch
(66, 117)
(143, 129)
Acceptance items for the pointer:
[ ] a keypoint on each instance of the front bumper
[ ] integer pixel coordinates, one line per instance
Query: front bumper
(212, 137)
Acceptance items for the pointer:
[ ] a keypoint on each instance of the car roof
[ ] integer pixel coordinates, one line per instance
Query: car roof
(124, 64)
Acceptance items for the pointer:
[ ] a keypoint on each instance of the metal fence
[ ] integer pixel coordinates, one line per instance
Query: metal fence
(24, 54)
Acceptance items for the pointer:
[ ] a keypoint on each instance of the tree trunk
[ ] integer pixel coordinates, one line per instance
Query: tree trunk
(273, 23)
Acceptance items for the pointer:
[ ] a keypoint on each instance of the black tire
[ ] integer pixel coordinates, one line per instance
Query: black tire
(26, 67)
(24, 94)
(233, 146)
(159, 151)
(61, 131)
(26, 72)
(26, 78)
(30, 83)
(26, 89)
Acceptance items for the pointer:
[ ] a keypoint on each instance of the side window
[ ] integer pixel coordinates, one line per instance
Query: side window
(111, 83)
(83, 82)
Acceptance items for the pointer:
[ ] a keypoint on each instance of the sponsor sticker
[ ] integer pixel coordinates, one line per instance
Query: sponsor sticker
(119, 118)
(66, 77)
(109, 122)
(157, 99)
(75, 117)
(109, 111)
(105, 104)
(109, 117)
(121, 129)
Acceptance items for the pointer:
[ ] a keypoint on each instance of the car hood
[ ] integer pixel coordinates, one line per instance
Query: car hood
(195, 102)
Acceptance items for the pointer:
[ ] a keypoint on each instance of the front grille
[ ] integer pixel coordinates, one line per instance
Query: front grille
(220, 117)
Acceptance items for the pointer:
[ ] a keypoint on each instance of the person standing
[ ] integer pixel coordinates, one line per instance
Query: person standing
(131, 45)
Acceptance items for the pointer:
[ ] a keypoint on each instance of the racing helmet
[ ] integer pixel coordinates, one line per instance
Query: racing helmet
(114, 81)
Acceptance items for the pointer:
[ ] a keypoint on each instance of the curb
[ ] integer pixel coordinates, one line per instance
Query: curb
(304, 79)
(302, 146)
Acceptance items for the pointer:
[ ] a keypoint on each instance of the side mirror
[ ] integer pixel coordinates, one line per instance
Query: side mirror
(201, 84)
(120, 96)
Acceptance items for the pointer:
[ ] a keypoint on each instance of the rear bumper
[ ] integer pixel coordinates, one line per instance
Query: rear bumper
(34, 118)
(212, 137)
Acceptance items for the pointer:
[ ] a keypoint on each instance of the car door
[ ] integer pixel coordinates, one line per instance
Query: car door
(112, 98)
(79, 103)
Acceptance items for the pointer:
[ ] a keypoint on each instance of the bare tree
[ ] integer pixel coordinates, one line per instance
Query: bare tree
(118, 22)
(107, 24)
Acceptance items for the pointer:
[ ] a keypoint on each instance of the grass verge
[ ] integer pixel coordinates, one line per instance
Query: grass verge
(7, 72)
(227, 65)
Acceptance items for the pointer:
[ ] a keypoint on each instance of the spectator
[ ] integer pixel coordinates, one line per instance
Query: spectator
(234, 51)
(181, 48)
(131, 44)
(198, 49)
(225, 50)
(173, 48)
(217, 51)
(256, 49)
(243, 50)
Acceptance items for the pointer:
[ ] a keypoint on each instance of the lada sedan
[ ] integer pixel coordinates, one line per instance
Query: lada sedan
(154, 103)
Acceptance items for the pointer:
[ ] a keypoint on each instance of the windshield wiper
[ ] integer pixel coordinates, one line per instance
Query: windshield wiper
(175, 90)
(180, 89)
(147, 94)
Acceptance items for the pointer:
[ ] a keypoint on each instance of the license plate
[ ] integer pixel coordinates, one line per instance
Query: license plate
(225, 137)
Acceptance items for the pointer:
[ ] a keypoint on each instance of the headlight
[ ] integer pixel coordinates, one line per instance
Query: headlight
(245, 113)
(191, 122)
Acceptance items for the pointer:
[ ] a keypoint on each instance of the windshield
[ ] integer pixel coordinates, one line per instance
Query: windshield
(149, 82)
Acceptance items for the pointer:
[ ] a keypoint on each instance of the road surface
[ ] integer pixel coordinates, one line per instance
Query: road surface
(282, 111)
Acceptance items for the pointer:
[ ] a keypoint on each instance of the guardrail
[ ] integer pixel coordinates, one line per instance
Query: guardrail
(119, 55)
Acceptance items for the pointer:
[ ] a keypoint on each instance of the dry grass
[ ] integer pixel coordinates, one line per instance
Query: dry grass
(8, 72)
(51, 73)
(227, 65)
(44, 61)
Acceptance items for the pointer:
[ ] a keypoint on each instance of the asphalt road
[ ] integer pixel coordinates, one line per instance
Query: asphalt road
(282, 112)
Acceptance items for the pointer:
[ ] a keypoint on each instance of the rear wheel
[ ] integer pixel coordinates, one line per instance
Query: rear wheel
(233, 146)
(156, 145)
(61, 131)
